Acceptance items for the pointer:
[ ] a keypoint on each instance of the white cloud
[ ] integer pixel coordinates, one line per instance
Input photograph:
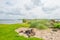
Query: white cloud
(19, 9)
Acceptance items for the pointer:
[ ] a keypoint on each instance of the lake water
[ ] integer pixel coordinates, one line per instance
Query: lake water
(10, 21)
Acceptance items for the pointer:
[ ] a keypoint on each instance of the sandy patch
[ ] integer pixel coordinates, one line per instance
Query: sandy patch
(45, 34)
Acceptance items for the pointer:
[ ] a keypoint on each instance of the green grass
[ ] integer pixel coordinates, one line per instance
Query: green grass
(7, 32)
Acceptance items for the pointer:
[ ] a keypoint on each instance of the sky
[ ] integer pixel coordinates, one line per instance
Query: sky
(29, 9)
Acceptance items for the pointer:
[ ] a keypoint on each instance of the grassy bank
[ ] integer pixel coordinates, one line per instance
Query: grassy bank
(7, 32)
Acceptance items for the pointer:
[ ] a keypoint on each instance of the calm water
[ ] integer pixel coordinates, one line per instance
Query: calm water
(10, 21)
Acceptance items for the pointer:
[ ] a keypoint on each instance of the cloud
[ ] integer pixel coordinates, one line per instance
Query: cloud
(36, 2)
(29, 9)
(49, 10)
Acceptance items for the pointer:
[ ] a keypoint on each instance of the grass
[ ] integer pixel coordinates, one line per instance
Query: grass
(40, 24)
(7, 32)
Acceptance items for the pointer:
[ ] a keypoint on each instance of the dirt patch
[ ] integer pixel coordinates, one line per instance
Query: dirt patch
(48, 34)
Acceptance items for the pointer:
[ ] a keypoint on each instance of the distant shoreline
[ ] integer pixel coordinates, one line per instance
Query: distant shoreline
(10, 21)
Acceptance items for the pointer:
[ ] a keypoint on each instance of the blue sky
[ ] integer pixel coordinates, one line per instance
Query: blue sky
(29, 9)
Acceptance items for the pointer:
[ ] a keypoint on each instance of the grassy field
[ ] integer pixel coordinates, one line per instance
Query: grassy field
(7, 32)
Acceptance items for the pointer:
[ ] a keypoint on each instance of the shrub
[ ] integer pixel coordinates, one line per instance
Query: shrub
(57, 25)
(37, 24)
(41, 26)
(33, 24)
(24, 20)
